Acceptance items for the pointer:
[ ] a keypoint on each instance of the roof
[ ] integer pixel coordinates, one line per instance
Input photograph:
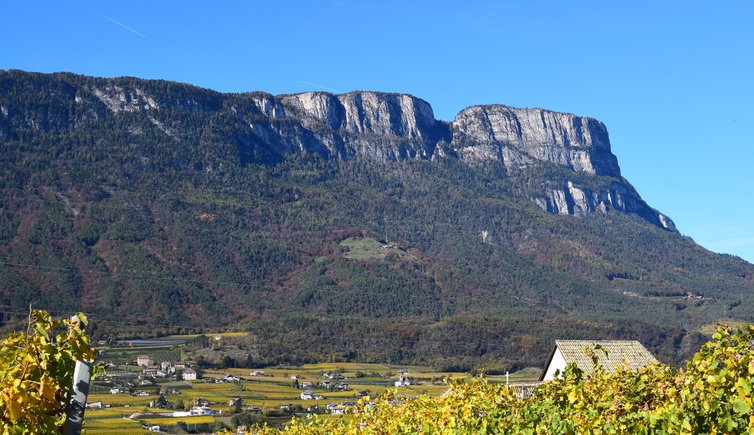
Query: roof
(626, 353)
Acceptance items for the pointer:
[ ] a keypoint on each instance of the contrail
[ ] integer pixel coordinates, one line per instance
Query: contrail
(319, 86)
(124, 26)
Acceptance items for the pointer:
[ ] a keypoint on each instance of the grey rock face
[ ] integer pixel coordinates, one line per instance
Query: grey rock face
(120, 99)
(518, 137)
(573, 200)
(384, 127)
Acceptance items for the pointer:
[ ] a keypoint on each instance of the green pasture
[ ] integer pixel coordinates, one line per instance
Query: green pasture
(371, 249)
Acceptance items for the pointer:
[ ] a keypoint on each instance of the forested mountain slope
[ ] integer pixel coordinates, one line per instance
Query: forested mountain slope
(350, 226)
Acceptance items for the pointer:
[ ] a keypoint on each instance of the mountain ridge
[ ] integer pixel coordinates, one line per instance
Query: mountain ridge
(158, 207)
(395, 127)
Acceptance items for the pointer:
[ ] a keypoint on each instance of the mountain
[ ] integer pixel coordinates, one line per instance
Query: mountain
(353, 226)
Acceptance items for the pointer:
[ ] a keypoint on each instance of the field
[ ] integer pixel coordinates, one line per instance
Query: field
(268, 391)
(371, 249)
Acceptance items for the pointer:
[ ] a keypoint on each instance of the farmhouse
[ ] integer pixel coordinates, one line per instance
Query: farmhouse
(189, 375)
(403, 381)
(201, 410)
(201, 402)
(144, 361)
(610, 355)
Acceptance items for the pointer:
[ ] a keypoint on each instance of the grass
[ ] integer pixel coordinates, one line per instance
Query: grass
(371, 249)
(169, 421)
(188, 337)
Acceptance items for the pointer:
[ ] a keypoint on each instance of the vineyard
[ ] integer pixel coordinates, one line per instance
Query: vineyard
(711, 394)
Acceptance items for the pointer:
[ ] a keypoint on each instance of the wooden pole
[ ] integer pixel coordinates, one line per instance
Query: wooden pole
(82, 375)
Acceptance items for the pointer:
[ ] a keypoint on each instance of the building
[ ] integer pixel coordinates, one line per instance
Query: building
(189, 375)
(202, 402)
(403, 381)
(201, 410)
(143, 360)
(610, 354)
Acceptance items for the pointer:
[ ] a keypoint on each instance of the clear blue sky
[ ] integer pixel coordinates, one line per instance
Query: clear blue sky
(673, 80)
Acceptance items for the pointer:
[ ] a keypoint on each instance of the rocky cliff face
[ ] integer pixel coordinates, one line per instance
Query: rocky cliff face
(573, 200)
(380, 126)
(383, 127)
(518, 137)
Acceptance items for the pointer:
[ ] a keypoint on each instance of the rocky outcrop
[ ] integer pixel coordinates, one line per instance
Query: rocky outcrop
(380, 126)
(573, 200)
(518, 137)
(120, 99)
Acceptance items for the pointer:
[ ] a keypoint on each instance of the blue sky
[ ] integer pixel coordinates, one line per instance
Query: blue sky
(672, 80)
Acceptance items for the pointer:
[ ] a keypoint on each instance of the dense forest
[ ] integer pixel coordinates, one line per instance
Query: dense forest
(178, 219)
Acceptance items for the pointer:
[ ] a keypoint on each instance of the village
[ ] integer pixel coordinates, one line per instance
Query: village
(152, 385)
(143, 387)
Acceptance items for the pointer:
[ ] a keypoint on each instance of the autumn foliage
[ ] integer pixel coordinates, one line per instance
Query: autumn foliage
(36, 373)
(711, 394)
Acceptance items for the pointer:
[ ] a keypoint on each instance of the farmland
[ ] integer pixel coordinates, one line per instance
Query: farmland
(271, 394)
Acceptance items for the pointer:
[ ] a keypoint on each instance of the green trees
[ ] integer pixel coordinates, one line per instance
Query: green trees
(36, 373)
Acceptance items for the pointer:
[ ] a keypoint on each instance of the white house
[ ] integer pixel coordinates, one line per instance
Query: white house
(403, 381)
(610, 354)
(189, 375)
(201, 410)
(307, 395)
(144, 361)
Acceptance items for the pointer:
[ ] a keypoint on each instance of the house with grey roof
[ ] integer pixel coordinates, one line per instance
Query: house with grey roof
(613, 353)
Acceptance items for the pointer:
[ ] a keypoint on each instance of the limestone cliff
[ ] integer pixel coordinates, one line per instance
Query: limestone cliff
(518, 137)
